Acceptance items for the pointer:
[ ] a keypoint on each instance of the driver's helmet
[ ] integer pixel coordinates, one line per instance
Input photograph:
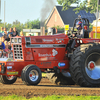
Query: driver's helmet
(79, 25)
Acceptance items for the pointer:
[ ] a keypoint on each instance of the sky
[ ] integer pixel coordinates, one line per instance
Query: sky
(22, 10)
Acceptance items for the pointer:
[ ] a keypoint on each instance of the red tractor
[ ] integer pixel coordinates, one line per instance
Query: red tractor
(35, 54)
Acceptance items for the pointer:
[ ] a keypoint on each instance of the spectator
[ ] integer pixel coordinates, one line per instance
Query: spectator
(5, 31)
(15, 32)
(5, 37)
(10, 32)
(9, 45)
(21, 33)
(6, 43)
(2, 45)
(7, 51)
(2, 30)
(4, 53)
(29, 34)
(9, 37)
(1, 49)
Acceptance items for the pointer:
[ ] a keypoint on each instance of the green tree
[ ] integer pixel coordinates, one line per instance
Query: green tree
(0, 21)
(35, 24)
(87, 5)
(1, 24)
(19, 26)
(32, 24)
(16, 22)
(59, 29)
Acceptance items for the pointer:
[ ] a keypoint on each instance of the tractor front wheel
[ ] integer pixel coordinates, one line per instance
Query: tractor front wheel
(31, 75)
(7, 79)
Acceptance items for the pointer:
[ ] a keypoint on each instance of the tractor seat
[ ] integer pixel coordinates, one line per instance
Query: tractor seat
(86, 34)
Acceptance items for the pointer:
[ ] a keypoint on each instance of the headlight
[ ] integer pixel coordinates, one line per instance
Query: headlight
(77, 41)
(19, 40)
(81, 41)
(12, 40)
(16, 40)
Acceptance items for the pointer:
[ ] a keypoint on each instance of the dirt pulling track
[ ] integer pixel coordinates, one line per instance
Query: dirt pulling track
(44, 88)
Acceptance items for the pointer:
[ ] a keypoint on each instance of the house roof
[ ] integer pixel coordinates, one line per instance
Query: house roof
(69, 15)
(89, 16)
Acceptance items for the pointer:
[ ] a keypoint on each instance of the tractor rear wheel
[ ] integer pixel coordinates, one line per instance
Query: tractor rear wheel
(31, 75)
(7, 79)
(60, 79)
(85, 65)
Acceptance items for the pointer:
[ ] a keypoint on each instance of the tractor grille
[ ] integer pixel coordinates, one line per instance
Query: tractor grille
(18, 52)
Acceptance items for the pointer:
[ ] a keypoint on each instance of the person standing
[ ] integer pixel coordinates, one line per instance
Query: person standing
(7, 51)
(2, 30)
(15, 32)
(5, 31)
(9, 37)
(21, 33)
(10, 31)
(2, 45)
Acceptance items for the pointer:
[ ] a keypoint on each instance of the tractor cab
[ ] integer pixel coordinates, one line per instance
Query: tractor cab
(84, 28)
(79, 31)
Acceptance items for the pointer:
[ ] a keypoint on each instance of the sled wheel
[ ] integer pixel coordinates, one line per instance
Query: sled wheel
(60, 79)
(8, 79)
(85, 65)
(31, 75)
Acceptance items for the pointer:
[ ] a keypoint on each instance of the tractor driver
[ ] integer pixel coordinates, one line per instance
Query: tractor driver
(78, 34)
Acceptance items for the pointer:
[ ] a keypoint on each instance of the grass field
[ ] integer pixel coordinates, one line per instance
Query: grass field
(53, 97)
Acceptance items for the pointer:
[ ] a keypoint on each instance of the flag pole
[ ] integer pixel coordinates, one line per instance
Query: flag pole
(0, 8)
(4, 14)
(96, 19)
